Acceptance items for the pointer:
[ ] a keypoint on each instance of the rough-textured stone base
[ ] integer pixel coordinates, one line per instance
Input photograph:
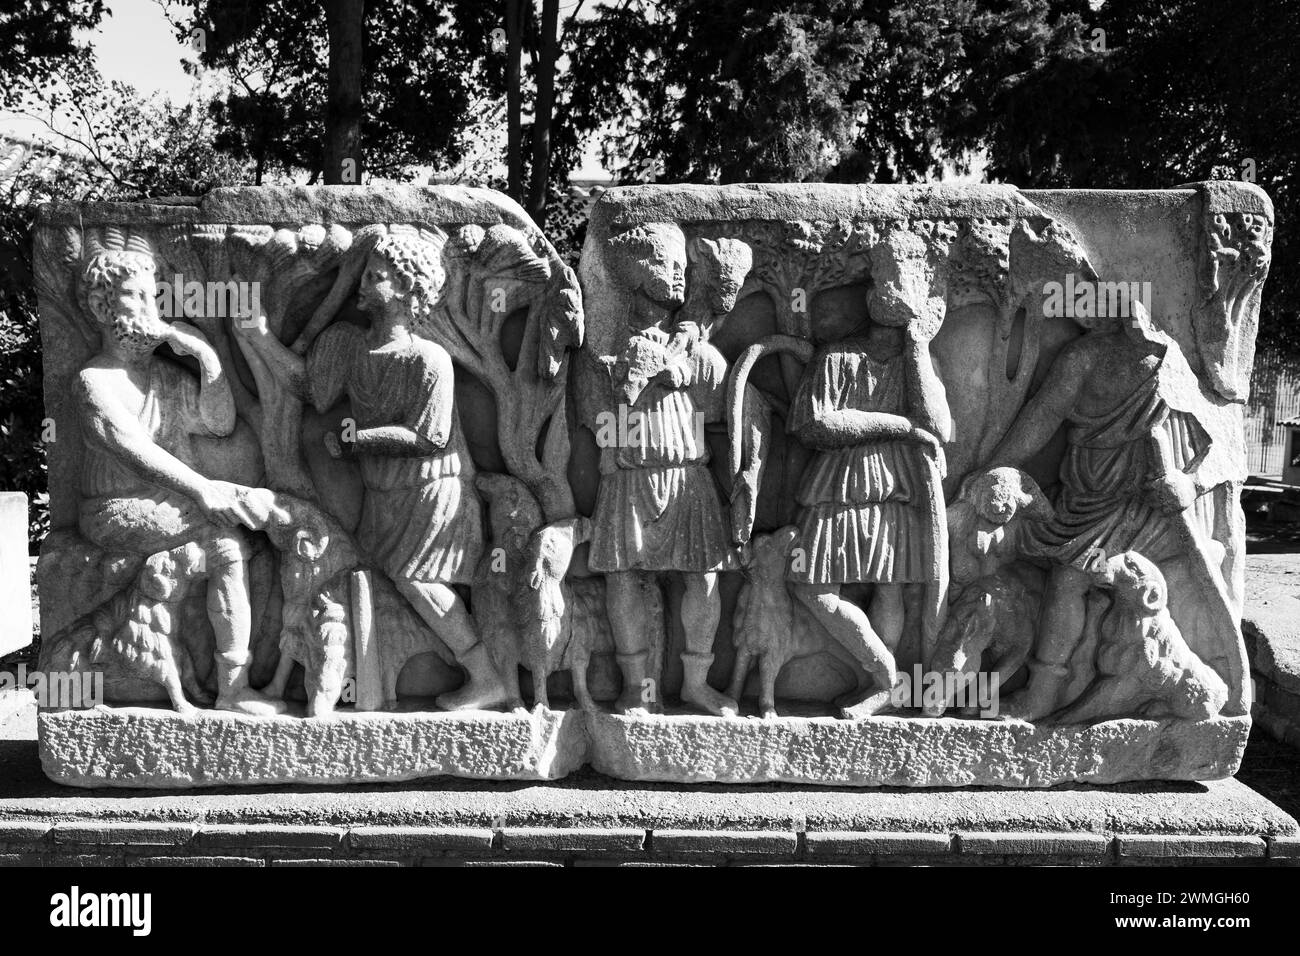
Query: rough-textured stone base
(148, 747)
(144, 747)
(588, 819)
(913, 752)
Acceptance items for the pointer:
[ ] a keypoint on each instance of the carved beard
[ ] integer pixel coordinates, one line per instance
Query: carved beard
(139, 334)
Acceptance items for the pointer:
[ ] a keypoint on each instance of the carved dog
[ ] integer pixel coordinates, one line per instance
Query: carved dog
(546, 605)
(527, 611)
(318, 559)
(513, 515)
(1144, 667)
(998, 614)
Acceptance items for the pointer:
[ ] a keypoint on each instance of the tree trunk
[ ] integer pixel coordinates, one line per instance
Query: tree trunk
(543, 114)
(345, 20)
(514, 99)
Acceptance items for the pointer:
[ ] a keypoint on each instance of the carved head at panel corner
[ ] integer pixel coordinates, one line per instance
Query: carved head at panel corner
(651, 259)
(404, 278)
(120, 291)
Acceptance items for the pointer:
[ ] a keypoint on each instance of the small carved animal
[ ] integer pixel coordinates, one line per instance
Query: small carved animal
(768, 624)
(997, 613)
(1144, 667)
(513, 515)
(315, 554)
(527, 611)
(133, 633)
(545, 603)
(318, 560)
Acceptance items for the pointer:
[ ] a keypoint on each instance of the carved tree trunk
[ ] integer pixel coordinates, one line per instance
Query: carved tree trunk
(345, 20)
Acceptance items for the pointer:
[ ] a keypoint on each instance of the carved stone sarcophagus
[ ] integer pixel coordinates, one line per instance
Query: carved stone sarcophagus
(921, 486)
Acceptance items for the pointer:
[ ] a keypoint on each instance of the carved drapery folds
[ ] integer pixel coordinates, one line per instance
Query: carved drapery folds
(789, 451)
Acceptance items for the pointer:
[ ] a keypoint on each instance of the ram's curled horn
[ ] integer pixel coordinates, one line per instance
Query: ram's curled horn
(739, 377)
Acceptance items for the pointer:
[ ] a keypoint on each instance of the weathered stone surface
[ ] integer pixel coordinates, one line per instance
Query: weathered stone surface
(1159, 845)
(419, 839)
(725, 842)
(913, 752)
(1033, 844)
(147, 834)
(15, 575)
(474, 809)
(386, 447)
(535, 839)
(847, 843)
(145, 747)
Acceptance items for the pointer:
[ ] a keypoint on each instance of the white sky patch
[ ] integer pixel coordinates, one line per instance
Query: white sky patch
(137, 45)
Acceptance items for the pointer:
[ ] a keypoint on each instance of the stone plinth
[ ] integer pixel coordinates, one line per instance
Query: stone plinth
(148, 747)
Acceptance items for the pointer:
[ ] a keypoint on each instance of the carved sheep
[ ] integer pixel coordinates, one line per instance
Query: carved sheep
(133, 634)
(1144, 667)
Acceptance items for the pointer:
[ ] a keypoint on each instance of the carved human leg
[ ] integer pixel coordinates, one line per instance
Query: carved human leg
(886, 614)
(623, 590)
(509, 671)
(701, 608)
(847, 623)
(226, 557)
(1060, 629)
(442, 609)
(283, 669)
(190, 680)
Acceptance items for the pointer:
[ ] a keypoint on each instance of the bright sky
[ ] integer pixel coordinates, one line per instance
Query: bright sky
(138, 46)
(135, 45)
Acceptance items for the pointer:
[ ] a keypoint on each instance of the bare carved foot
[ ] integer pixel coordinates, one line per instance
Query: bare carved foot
(250, 702)
(477, 694)
(709, 700)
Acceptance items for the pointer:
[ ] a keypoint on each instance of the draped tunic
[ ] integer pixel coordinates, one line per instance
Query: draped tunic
(120, 509)
(1108, 462)
(658, 508)
(860, 517)
(420, 519)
